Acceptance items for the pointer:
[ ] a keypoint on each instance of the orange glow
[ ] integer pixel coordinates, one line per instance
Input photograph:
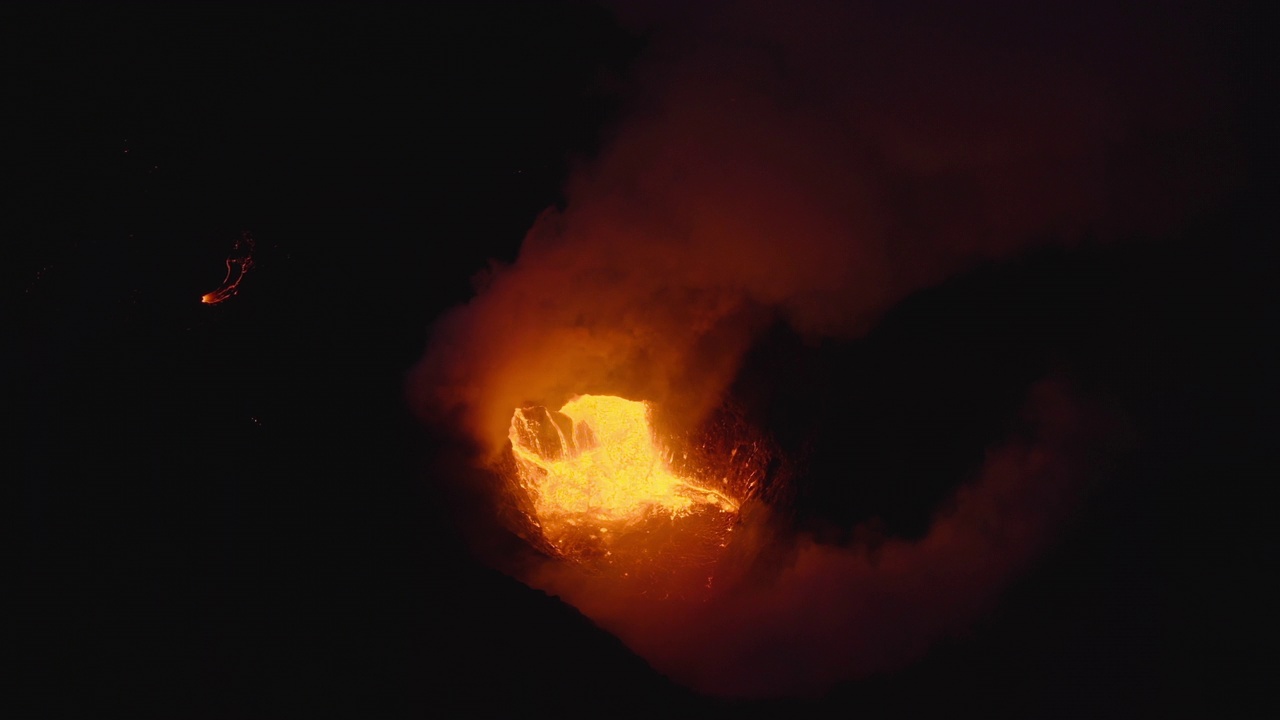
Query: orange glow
(601, 486)
(239, 262)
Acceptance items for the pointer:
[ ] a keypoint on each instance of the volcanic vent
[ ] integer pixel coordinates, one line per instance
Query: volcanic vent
(597, 487)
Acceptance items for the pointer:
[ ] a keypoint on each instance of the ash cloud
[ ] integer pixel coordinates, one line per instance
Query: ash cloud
(816, 163)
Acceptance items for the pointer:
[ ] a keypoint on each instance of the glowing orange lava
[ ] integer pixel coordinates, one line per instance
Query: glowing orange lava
(596, 477)
(239, 262)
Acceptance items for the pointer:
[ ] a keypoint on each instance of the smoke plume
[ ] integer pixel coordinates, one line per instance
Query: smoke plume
(816, 163)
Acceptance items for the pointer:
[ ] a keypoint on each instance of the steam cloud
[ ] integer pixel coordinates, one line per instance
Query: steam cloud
(817, 163)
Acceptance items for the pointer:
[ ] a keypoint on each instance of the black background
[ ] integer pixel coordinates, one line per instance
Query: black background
(229, 511)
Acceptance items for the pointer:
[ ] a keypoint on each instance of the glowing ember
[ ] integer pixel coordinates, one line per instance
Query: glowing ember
(594, 471)
(239, 262)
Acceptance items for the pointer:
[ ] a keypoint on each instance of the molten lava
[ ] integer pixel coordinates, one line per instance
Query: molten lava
(239, 262)
(603, 491)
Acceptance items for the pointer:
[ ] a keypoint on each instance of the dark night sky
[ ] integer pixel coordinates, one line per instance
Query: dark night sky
(230, 511)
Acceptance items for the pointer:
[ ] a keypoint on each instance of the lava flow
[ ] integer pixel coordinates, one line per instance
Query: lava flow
(239, 262)
(604, 494)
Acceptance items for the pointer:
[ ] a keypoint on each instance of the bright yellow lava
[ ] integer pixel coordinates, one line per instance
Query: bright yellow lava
(598, 466)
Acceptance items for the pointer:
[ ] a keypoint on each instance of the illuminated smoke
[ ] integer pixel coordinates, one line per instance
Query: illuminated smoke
(816, 164)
